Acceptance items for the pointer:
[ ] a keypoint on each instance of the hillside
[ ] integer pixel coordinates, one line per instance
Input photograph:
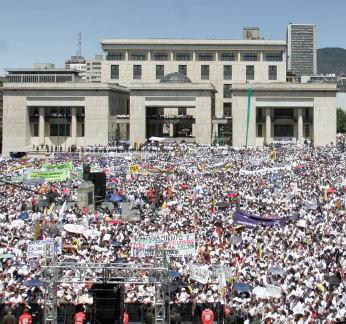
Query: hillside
(331, 60)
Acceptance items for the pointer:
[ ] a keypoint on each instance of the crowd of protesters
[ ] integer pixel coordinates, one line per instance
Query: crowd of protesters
(184, 188)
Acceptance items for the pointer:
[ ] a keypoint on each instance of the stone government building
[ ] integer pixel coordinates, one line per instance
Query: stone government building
(192, 90)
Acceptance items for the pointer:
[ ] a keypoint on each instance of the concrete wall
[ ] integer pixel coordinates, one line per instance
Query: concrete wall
(324, 120)
(216, 76)
(18, 135)
(16, 124)
(322, 131)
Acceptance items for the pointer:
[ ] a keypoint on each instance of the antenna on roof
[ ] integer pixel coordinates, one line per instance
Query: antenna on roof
(79, 44)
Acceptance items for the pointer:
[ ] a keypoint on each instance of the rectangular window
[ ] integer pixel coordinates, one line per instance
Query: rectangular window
(250, 72)
(83, 130)
(35, 130)
(59, 129)
(307, 130)
(160, 71)
(138, 56)
(259, 130)
(249, 56)
(227, 109)
(205, 72)
(205, 56)
(183, 56)
(227, 72)
(159, 56)
(115, 56)
(227, 56)
(137, 72)
(181, 111)
(115, 72)
(182, 69)
(227, 91)
(272, 72)
(273, 57)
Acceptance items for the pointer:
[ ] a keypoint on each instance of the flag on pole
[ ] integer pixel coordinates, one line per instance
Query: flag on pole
(249, 94)
(37, 231)
(62, 212)
(222, 285)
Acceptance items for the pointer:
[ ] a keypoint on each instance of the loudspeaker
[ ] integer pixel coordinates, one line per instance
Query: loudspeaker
(99, 181)
(86, 172)
(108, 303)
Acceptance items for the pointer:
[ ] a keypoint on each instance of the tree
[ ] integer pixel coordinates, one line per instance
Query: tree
(340, 121)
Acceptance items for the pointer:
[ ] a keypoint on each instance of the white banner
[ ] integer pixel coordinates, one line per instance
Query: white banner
(37, 249)
(80, 229)
(175, 245)
(198, 273)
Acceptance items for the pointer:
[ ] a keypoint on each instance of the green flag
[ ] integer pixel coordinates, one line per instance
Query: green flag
(249, 94)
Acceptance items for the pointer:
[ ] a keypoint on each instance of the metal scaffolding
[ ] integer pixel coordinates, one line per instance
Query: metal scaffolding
(105, 273)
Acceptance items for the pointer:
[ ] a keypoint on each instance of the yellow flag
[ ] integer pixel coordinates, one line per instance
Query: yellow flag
(164, 205)
(37, 230)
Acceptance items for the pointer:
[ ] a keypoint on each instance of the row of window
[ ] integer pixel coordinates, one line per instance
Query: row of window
(57, 130)
(227, 72)
(200, 56)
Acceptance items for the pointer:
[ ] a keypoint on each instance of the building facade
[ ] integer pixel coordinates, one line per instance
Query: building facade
(285, 111)
(183, 89)
(2, 80)
(77, 63)
(301, 49)
(59, 114)
(219, 62)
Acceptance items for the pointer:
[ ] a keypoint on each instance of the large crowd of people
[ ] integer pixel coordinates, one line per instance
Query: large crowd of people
(284, 273)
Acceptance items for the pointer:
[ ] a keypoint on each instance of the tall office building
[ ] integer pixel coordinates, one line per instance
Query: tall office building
(301, 49)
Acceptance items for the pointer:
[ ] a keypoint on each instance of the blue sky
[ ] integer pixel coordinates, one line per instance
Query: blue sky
(46, 31)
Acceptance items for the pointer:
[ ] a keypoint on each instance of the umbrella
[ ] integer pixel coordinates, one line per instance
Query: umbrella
(231, 195)
(184, 186)
(116, 244)
(276, 270)
(115, 198)
(174, 274)
(24, 215)
(111, 185)
(172, 203)
(33, 283)
(242, 287)
(334, 280)
(6, 256)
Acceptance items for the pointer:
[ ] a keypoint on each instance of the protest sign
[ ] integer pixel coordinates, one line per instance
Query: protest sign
(37, 249)
(174, 245)
(198, 273)
(53, 167)
(59, 175)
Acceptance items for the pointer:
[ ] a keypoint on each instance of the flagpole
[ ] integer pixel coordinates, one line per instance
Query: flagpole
(249, 94)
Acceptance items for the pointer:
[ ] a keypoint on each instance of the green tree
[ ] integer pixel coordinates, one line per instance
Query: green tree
(340, 121)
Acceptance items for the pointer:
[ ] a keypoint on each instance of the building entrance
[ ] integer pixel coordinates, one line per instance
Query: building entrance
(283, 131)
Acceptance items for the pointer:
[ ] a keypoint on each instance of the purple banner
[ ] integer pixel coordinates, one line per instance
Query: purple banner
(242, 218)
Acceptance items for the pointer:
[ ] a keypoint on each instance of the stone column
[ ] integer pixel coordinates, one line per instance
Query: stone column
(171, 130)
(74, 126)
(215, 131)
(268, 126)
(300, 123)
(41, 126)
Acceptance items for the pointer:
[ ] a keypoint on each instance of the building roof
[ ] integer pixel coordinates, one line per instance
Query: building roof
(186, 41)
(285, 86)
(40, 71)
(175, 77)
(69, 86)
